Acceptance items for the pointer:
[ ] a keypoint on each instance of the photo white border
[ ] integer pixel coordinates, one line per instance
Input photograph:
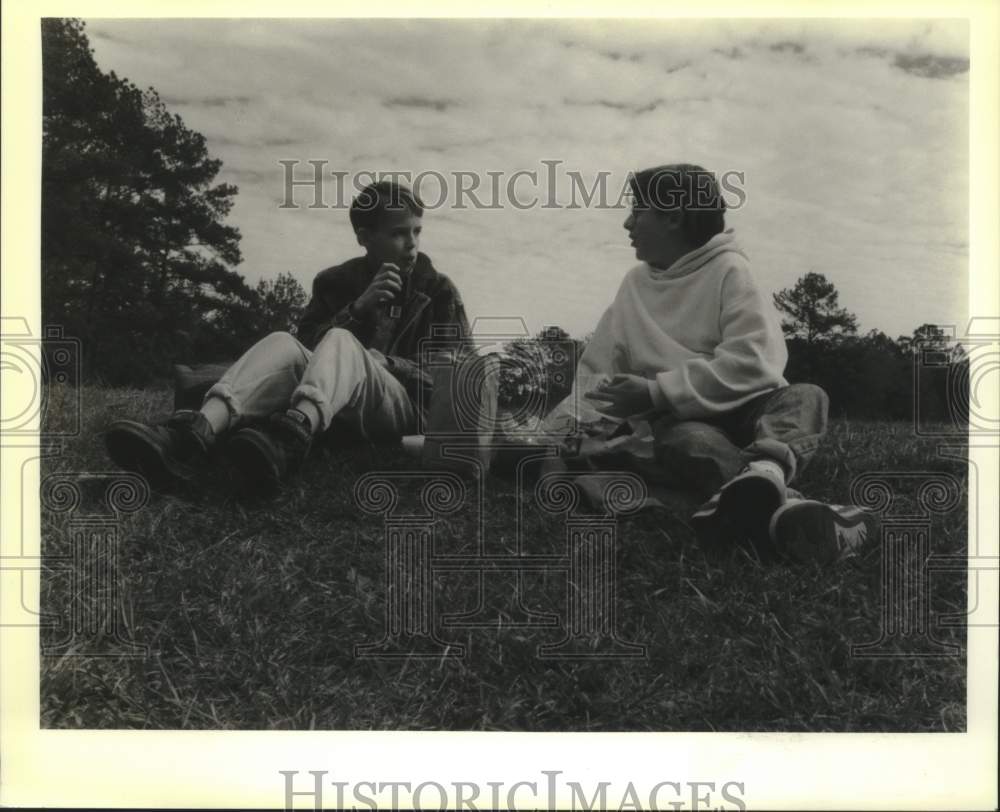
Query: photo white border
(240, 769)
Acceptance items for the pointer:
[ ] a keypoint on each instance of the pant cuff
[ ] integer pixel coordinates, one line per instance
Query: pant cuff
(223, 392)
(316, 397)
(774, 450)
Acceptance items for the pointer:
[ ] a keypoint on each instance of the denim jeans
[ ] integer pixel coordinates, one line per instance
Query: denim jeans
(785, 425)
(341, 378)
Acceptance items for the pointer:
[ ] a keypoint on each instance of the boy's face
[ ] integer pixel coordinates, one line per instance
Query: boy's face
(395, 239)
(654, 234)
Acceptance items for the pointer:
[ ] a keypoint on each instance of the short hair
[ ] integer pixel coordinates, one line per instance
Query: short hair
(685, 187)
(370, 206)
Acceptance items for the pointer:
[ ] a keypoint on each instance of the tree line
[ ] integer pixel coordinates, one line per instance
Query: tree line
(139, 263)
(868, 377)
(136, 258)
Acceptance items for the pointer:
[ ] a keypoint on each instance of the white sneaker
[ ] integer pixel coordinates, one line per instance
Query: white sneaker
(814, 532)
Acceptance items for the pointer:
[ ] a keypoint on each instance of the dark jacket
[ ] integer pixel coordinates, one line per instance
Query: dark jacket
(429, 299)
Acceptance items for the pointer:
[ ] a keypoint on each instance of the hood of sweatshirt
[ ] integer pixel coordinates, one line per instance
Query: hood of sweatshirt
(700, 257)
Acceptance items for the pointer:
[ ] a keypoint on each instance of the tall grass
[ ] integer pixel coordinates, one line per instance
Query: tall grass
(251, 613)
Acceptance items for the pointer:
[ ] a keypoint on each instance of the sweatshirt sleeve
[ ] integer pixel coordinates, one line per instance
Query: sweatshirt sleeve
(749, 360)
(599, 355)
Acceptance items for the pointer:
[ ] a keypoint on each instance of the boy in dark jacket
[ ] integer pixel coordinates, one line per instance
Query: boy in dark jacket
(355, 359)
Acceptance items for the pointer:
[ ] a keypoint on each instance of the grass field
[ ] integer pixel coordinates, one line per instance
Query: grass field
(251, 613)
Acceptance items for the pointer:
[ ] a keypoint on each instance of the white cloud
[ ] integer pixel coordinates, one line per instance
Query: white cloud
(854, 166)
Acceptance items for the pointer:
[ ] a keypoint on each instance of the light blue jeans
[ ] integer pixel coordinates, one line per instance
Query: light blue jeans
(698, 457)
(785, 425)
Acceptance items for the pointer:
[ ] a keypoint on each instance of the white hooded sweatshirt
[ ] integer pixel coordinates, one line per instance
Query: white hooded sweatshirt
(700, 332)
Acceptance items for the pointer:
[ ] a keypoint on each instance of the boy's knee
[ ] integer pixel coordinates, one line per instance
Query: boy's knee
(284, 344)
(338, 337)
(809, 391)
(687, 439)
(810, 395)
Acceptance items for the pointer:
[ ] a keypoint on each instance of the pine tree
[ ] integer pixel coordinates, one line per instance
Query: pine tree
(281, 302)
(136, 257)
(812, 311)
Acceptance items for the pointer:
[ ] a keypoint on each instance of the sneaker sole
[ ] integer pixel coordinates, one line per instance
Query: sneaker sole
(809, 531)
(751, 502)
(134, 448)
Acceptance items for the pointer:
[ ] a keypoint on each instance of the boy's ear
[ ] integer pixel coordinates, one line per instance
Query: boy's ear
(673, 219)
(361, 235)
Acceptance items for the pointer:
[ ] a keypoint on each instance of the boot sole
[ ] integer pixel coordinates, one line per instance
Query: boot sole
(133, 447)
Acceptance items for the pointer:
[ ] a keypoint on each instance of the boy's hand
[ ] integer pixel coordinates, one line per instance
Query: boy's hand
(385, 285)
(623, 396)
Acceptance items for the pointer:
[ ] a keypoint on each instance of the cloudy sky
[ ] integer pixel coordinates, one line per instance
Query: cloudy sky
(851, 137)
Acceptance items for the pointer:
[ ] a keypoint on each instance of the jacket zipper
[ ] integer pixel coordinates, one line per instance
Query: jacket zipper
(416, 314)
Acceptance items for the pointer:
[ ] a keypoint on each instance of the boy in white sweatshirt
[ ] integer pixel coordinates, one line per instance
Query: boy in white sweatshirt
(692, 347)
